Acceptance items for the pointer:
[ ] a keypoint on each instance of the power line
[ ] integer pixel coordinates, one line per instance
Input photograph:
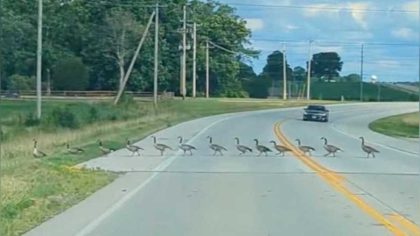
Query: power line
(325, 8)
(228, 50)
(318, 42)
(223, 48)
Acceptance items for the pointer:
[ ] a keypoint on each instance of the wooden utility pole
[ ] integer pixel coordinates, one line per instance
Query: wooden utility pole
(184, 53)
(1, 51)
(156, 73)
(361, 72)
(133, 60)
(207, 69)
(39, 62)
(284, 74)
(194, 60)
(48, 82)
(308, 91)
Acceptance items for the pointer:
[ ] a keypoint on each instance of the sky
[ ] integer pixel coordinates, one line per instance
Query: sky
(340, 26)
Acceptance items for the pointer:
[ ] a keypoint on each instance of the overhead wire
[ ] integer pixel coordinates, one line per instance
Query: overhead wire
(323, 7)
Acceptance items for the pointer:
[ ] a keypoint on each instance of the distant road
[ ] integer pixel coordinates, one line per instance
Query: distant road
(249, 195)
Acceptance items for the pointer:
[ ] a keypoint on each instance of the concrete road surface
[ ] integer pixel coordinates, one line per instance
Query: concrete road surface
(254, 195)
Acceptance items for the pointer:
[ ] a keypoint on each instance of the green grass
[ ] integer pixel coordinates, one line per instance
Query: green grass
(351, 91)
(406, 125)
(34, 190)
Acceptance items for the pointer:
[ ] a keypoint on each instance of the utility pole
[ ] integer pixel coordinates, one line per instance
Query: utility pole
(284, 74)
(155, 78)
(184, 53)
(194, 60)
(361, 72)
(308, 91)
(207, 69)
(1, 149)
(1, 51)
(39, 62)
(48, 82)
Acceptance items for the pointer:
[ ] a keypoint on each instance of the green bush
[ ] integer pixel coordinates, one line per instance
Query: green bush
(93, 114)
(9, 211)
(112, 117)
(62, 117)
(126, 99)
(70, 74)
(258, 88)
(21, 82)
(31, 120)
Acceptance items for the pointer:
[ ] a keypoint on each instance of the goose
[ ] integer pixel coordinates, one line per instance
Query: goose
(105, 150)
(261, 148)
(282, 149)
(304, 149)
(36, 152)
(215, 147)
(160, 146)
(368, 149)
(133, 148)
(185, 147)
(331, 149)
(74, 150)
(242, 148)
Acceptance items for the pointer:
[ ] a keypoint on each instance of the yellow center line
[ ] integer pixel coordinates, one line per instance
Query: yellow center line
(338, 183)
(411, 228)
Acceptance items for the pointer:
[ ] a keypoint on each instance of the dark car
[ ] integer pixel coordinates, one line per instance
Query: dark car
(316, 112)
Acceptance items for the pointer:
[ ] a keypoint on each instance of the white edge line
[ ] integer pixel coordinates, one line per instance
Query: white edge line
(162, 166)
(377, 144)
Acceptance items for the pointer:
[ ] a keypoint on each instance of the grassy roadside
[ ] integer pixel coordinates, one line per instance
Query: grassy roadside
(34, 190)
(406, 125)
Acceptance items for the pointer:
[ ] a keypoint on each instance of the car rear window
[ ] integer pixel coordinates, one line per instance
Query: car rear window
(321, 108)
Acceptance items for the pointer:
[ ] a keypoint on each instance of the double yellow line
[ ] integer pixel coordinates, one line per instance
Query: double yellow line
(396, 224)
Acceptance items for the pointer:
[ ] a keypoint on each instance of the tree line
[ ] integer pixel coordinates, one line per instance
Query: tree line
(87, 45)
(325, 67)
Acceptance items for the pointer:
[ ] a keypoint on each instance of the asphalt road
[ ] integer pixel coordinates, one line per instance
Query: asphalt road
(249, 195)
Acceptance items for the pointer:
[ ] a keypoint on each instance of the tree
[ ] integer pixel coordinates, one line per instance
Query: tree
(70, 74)
(104, 34)
(17, 38)
(352, 78)
(299, 77)
(222, 26)
(258, 88)
(299, 73)
(123, 31)
(21, 82)
(326, 64)
(274, 67)
(246, 72)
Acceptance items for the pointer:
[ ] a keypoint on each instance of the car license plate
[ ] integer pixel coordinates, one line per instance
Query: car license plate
(313, 117)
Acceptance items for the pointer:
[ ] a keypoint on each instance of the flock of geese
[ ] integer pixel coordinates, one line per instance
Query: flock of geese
(216, 148)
